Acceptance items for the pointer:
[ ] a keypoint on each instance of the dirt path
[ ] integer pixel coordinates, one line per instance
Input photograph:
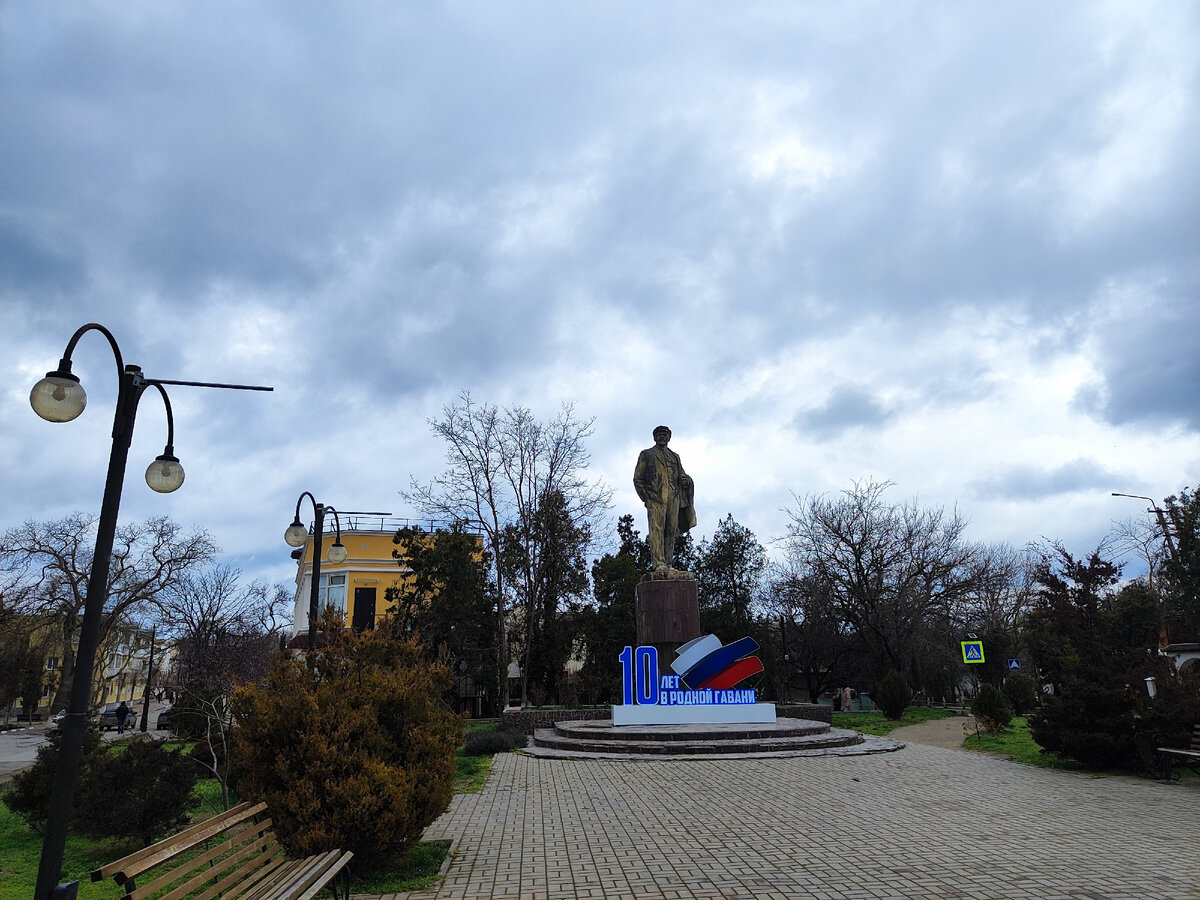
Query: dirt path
(947, 733)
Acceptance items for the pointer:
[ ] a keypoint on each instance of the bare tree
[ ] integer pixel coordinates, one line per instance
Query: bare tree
(815, 636)
(890, 568)
(1142, 538)
(53, 559)
(501, 465)
(223, 633)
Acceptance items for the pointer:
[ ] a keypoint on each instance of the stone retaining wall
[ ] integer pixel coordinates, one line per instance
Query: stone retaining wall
(527, 720)
(817, 712)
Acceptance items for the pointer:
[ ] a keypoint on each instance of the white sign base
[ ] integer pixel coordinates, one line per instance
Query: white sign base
(727, 713)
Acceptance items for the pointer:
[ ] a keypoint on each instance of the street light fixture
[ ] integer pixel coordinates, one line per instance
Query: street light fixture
(1162, 520)
(59, 397)
(296, 535)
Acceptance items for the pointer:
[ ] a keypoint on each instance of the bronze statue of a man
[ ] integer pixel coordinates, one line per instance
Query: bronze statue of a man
(667, 491)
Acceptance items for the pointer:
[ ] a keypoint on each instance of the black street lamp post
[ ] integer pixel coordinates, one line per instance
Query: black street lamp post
(59, 397)
(297, 536)
(149, 682)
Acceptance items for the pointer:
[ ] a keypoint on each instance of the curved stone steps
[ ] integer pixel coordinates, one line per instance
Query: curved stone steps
(547, 738)
(603, 729)
(787, 737)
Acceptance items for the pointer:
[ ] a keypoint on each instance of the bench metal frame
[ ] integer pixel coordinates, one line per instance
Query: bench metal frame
(1188, 759)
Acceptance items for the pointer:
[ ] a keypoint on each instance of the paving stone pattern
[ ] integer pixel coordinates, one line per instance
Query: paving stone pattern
(924, 822)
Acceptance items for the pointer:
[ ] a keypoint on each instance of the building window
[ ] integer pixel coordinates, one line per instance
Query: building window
(51, 663)
(332, 592)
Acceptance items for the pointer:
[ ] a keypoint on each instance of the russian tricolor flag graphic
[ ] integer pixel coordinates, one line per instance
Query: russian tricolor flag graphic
(705, 663)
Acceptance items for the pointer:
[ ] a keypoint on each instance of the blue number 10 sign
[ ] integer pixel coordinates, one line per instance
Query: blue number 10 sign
(639, 675)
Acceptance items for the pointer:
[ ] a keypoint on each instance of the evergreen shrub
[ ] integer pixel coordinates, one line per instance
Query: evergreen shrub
(29, 794)
(1021, 693)
(1092, 723)
(991, 709)
(139, 790)
(494, 740)
(135, 789)
(893, 695)
(353, 752)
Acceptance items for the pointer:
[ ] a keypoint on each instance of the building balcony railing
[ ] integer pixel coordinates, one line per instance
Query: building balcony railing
(361, 522)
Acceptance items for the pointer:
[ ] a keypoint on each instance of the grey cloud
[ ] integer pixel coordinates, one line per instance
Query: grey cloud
(1150, 361)
(29, 261)
(1029, 482)
(847, 407)
(352, 168)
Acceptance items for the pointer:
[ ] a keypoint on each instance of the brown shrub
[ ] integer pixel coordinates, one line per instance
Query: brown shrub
(356, 752)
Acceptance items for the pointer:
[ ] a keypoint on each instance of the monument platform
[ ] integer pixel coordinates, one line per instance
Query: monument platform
(784, 737)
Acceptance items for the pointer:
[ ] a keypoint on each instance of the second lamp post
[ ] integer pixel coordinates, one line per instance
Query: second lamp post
(297, 536)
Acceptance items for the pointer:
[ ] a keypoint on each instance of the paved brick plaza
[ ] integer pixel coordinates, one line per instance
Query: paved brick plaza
(923, 822)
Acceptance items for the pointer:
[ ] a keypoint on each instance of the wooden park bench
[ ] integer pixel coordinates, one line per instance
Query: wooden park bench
(1189, 758)
(233, 855)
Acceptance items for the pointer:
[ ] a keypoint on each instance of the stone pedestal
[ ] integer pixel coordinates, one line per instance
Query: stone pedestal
(668, 615)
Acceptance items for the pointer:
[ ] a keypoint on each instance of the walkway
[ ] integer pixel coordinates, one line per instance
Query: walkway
(924, 822)
(945, 733)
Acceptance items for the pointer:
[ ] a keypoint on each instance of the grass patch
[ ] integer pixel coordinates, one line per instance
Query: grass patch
(21, 847)
(472, 773)
(418, 872)
(878, 724)
(1017, 744)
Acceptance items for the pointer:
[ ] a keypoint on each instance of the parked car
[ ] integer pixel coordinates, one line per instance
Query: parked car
(163, 723)
(108, 718)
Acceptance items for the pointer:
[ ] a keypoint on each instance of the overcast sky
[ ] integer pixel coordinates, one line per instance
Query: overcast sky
(944, 244)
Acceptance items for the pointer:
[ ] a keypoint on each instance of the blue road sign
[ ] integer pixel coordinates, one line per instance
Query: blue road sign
(972, 651)
(1014, 665)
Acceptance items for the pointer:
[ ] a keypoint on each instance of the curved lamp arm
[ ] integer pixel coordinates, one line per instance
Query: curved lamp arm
(165, 474)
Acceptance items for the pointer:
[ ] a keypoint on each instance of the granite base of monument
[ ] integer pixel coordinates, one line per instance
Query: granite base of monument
(667, 613)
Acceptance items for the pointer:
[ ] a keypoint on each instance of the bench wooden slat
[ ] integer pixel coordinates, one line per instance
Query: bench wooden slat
(254, 872)
(307, 876)
(201, 869)
(139, 861)
(311, 874)
(234, 856)
(1189, 758)
(336, 866)
(283, 880)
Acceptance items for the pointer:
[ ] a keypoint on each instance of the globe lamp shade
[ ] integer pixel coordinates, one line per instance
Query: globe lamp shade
(296, 535)
(165, 474)
(59, 397)
(336, 554)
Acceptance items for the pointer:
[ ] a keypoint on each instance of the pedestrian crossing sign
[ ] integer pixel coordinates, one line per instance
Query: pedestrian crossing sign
(972, 651)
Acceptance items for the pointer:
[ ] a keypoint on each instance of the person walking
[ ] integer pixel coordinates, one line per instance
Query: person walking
(122, 715)
(847, 699)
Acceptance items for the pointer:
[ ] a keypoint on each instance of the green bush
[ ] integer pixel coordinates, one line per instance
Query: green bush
(1092, 723)
(355, 752)
(140, 790)
(29, 794)
(893, 695)
(1021, 693)
(133, 789)
(494, 740)
(991, 709)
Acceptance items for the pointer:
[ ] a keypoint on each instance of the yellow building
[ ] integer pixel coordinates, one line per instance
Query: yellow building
(356, 587)
(121, 670)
